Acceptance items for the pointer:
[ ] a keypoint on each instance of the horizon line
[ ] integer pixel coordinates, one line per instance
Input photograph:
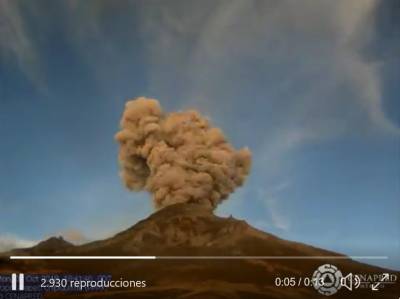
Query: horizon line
(153, 257)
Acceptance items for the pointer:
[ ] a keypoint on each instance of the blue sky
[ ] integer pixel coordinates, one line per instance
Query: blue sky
(310, 87)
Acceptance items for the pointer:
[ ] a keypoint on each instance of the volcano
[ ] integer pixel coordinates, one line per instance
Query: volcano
(218, 258)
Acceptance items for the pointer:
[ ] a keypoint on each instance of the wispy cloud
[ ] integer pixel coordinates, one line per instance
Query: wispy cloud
(271, 198)
(278, 219)
(16, 43)
(307, 54)
(280, 74)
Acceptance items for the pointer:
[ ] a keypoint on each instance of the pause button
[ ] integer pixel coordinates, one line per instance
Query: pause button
(20, 282)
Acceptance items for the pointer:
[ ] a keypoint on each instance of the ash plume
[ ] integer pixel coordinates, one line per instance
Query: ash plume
(178, 157)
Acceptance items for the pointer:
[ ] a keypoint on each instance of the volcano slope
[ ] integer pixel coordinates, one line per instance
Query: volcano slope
(191, 231)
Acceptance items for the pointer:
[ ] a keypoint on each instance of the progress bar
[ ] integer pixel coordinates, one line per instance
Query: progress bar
(153, 257)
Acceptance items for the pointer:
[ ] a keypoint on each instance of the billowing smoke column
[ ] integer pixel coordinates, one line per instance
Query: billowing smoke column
(178, 157)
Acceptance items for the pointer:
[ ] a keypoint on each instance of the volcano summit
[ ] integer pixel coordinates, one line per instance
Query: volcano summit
(200, 256)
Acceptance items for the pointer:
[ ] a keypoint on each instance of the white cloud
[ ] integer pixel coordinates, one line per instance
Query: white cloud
(74, 236)
(8, 242)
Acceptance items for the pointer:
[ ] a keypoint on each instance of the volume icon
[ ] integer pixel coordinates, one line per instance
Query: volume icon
(17, 282)
(350, 281)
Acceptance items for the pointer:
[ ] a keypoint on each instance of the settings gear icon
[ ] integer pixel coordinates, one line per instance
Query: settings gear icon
(326, 279)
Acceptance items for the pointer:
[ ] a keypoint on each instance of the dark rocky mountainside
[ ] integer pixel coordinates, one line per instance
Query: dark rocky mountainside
(192, 230)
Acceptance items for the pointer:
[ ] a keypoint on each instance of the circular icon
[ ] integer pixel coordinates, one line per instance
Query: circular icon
(326, 279)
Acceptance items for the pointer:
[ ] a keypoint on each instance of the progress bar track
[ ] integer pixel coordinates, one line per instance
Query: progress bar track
(150, 257)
